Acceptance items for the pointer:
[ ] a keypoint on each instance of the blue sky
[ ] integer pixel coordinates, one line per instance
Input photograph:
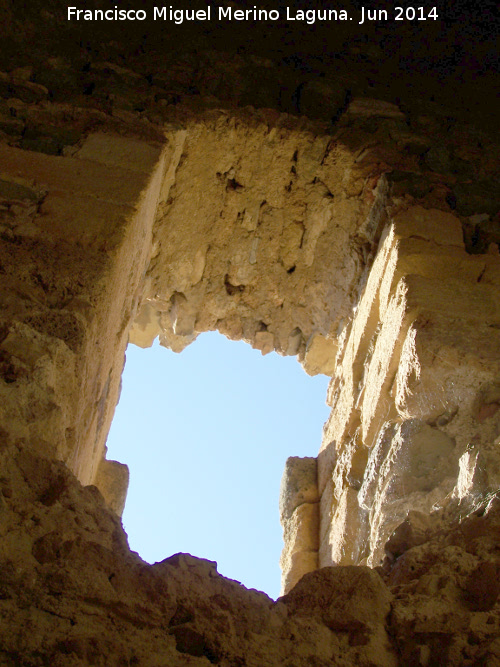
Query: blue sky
(206, 434)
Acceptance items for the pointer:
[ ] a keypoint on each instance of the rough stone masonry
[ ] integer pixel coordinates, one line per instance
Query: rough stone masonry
(327, 195)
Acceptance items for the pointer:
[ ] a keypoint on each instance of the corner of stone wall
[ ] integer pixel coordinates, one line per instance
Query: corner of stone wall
(299, 515)
(76, 239)
(413, 392)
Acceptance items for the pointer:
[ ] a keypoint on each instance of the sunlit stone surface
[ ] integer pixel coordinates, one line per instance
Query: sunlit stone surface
(147, 190)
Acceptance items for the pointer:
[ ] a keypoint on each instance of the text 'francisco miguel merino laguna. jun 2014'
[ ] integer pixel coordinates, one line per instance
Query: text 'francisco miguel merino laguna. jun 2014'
(229, 13)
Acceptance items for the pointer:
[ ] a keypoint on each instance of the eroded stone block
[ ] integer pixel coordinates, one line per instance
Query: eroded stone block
(298, 485)
(112, 481)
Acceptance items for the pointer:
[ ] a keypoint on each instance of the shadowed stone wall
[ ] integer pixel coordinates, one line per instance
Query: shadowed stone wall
(348, 217)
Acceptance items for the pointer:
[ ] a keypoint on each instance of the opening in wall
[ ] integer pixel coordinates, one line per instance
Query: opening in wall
(206, 435)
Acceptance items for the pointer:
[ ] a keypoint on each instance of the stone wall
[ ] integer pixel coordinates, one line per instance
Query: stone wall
(75, 238)
(141, 196)
(412, 396)
(275, 245)
(415, 367)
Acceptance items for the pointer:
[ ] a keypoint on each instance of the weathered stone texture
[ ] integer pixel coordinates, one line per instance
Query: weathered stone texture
(112, 481)
(299, 516)
(346, 218)
(417, 360)
(77, 260)
(268, 216)
(73, 594)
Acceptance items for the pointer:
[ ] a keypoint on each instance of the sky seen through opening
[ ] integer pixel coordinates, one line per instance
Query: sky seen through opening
(206, 434)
